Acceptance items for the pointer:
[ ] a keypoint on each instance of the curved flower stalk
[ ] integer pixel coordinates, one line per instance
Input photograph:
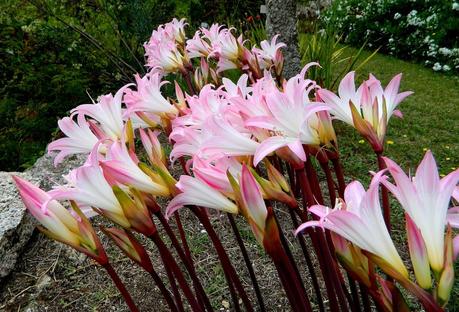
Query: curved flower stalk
(368, 109)
(359, 220)
(80, 139)
(266, 231)
(68, 227)
(425, 198)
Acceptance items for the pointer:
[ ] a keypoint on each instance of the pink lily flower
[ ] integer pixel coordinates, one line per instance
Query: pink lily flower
(359, 219)
(122, 167)
(165, 56)
(425, 198)
(253, 205)
(80, 139)
(196, 192)
(225, 140)
(270, 53)
(213, 33)
(176, 30)
(215, 174)
(59, 223)
(208, 103)
(289, 117)
(148, 97)
(198, 47)
(88, 186)
(107, 112)
(187, 141)
(369, 108)
(239, 89)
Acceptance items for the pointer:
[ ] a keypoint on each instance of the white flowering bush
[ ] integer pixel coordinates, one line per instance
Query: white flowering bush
(425, 31)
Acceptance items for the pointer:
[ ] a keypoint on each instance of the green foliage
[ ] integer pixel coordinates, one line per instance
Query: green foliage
(426, 31)
(323, 46)
(53, 53)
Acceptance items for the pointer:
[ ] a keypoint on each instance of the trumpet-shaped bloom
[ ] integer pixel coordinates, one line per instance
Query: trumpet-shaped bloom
(369, 108)
(88, 186)
(122, 167)
(59, 223)
(148, 97)
(197, 46)
(359, 219)
(196, 192)
(107, 112)
(426, 200)
(289, 118)
(253, 204)
(165, 56)
(270, 53)
(54, 217)
(80, 139)
(214, 174)
(162, 49)
(226, 140)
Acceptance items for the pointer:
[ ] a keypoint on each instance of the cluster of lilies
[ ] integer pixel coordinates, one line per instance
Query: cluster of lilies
(245, 146)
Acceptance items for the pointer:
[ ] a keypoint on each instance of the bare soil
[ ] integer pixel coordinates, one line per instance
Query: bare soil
(54, 277)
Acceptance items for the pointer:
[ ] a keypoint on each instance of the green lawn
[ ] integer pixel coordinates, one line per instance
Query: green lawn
(430, 120)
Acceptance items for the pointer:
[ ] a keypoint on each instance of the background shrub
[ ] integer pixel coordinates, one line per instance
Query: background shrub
(426, 31)
(53, 53)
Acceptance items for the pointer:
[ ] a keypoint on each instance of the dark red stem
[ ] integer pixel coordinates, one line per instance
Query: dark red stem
(187, 261)
(169, 261)
(308, 200)
(166, 294)
(384, 194)
(228, 269)
(119, 284)
(307, 258)
(247, 261)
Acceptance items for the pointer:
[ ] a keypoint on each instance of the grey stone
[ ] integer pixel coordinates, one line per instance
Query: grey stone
(281, 19)
(311, 10)
(16, 225)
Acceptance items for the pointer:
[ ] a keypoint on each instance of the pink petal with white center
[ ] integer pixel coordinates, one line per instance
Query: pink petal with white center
(80, 139)
(196, 192)
(121, 166)
(426, 199)
(346, 88)
(55, 219)
(270, 145)
(253, 201)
